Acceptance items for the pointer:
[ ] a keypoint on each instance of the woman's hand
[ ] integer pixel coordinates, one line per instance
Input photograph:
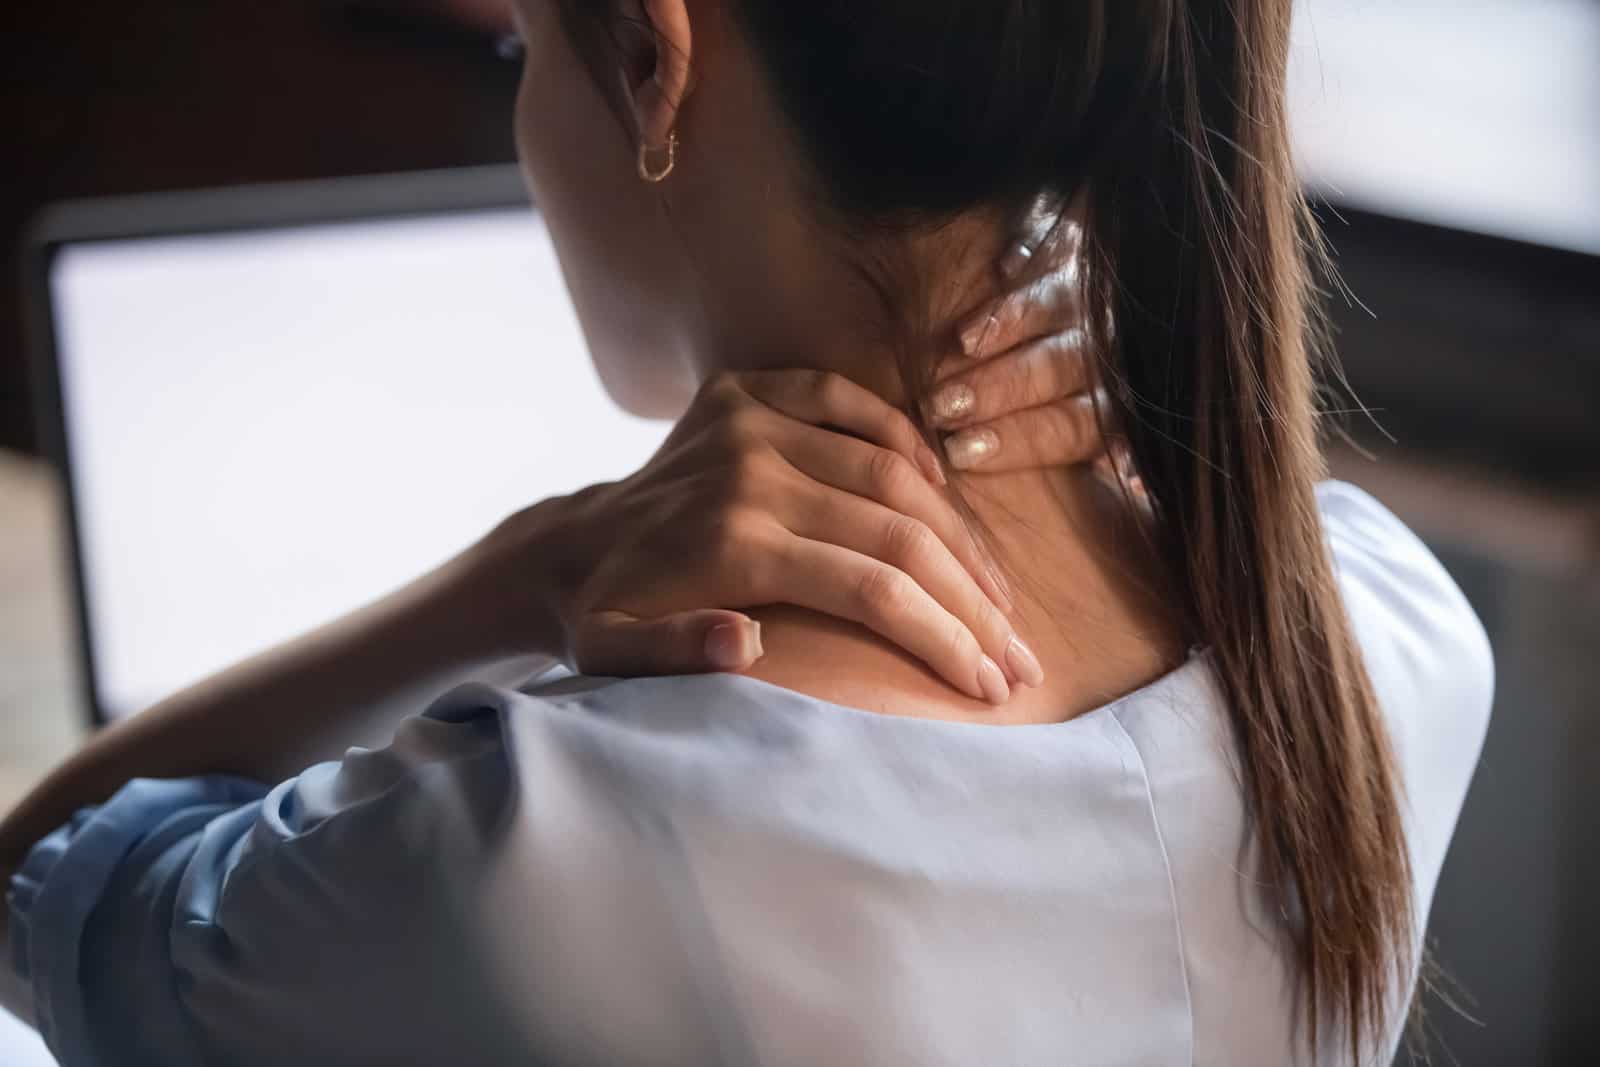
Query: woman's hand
(1018, 396)
(752, 501)
(1019, 393)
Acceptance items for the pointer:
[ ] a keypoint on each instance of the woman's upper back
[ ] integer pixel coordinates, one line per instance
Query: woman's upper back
(713, 869)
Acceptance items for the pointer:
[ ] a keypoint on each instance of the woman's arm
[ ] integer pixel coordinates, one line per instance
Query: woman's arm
(613, 578)
(604, 578)
(347, 683)
(213, 919)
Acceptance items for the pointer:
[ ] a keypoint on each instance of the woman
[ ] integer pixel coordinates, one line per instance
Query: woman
(1159, 772)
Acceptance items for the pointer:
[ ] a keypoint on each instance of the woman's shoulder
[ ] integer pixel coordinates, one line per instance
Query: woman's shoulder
(1424, 645)
(1424, 648)
(728, 741)
(1426, 652)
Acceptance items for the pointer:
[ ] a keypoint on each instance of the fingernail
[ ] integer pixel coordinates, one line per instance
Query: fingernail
(969, 449)
(929, 462)
(1105, 471)
(725, 644)
(1123, 458)
(1023, 663)
(951, 403)
(991, 682)
(974, 335)
(1016, 260)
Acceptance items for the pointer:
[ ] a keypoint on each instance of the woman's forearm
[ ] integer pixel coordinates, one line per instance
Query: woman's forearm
(347, 683)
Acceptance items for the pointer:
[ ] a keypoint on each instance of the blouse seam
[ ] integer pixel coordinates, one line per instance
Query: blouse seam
(1172, 885)
(725, 1013)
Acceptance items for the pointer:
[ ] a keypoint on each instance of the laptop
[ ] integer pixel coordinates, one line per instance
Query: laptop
(272, 405)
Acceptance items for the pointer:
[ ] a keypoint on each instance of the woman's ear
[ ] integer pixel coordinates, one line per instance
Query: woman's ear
(658, 75)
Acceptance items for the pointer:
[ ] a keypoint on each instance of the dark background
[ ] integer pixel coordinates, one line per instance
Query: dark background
(124, 96)
(1479, 357)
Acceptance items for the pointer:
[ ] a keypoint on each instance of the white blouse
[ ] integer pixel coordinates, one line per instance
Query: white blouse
(714, 870)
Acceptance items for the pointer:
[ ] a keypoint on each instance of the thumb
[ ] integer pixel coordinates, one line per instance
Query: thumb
(615, 644)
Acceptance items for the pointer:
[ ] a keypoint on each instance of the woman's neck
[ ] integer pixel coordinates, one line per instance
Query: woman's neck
(783, 299)
(1085, 602)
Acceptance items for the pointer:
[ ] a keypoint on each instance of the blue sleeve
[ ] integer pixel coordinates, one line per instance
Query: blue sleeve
(140, 836)
(214, 920)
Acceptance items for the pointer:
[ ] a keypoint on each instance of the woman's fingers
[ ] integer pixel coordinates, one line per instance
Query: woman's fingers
(1018, 395)
(1039, 372)
(868, 495)
(876, 474)
(1046, 234)
(1050, 435)
(1048, 305)
(1042, 264)
(618, 644)
(911, 546)
(838, 581)
(821, 398)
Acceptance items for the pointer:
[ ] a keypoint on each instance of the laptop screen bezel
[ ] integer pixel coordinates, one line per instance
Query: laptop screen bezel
(238, 209)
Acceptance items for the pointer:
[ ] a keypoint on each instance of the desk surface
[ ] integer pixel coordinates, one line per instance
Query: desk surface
(41, 714)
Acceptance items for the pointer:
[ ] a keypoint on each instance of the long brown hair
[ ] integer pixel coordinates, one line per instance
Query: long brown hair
(1214, 372)
(1166, 120)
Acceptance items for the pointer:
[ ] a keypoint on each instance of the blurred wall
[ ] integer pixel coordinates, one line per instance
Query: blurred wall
(1513, 929)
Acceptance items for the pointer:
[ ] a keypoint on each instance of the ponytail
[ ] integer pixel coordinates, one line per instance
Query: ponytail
(1200, 243)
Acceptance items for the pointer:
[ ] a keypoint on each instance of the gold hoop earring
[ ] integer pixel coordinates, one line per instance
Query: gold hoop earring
(671, 149)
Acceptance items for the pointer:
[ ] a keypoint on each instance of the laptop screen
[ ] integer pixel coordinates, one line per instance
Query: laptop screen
(269, 428)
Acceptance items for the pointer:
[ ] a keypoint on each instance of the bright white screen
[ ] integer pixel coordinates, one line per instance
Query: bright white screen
(1475, 114)
(271, 428)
